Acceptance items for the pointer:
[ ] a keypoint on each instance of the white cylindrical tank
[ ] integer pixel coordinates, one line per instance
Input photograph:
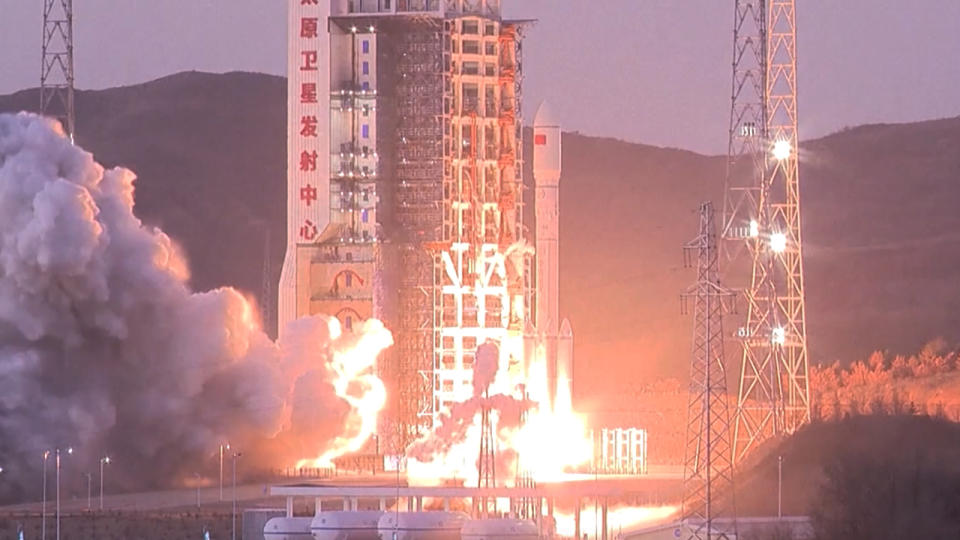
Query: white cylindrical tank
(287, 528)
(499, 529)
(356, 525)
(422, 525)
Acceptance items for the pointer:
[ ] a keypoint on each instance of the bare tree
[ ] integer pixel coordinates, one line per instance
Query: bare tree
(888, 498)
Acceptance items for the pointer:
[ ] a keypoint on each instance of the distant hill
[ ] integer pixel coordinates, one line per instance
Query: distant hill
(879, 438)
(881, 228)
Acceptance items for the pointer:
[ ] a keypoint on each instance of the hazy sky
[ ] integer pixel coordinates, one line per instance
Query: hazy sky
(653, 71)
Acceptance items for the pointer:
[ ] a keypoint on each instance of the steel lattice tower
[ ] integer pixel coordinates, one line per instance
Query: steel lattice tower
(762, 213)
(525, 507)
(487, 464)
(266, 286)
(56, 72)
(708, 466)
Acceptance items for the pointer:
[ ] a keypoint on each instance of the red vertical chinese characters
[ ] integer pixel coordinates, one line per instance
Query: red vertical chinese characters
(309, 125)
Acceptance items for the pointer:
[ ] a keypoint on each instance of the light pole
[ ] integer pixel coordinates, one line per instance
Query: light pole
(197, 475)
(69, 451)
(89, 481)
(43, 518)
(105, 460)
(222, 448)
(233, 514)
(779, 487)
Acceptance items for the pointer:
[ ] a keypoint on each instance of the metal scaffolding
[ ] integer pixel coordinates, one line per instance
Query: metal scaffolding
(421, 94)
(762, 214)
(480, 288)
(56, 71)
(708, 466)
(266, 285)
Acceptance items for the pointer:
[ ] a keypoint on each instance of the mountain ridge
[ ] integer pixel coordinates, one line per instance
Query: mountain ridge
(881, 260)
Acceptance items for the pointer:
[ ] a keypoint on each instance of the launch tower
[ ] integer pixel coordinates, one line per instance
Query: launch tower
(404, 189)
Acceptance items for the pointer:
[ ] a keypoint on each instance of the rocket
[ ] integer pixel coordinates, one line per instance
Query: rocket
(557, 345)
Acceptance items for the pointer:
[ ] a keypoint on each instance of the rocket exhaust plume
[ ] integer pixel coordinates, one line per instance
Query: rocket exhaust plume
(545, 444)
(104, 348)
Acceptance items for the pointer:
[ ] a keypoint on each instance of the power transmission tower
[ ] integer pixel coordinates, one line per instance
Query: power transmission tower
(708, 466)
(56, 73)
(486, 467)
(526, 507)
(266, 286)
(762, 214)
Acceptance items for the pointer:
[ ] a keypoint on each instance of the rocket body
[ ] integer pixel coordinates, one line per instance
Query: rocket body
(547, 154)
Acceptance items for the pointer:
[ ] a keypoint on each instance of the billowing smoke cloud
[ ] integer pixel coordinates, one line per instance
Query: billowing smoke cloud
(104, 348)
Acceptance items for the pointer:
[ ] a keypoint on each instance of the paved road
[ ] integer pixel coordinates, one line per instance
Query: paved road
(154, 500)
(250, 494)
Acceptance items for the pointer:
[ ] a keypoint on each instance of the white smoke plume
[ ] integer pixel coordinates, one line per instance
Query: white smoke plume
(104, 348)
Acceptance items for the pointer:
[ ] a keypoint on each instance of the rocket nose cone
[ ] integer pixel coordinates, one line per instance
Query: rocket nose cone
(565, 329)
(545, 116)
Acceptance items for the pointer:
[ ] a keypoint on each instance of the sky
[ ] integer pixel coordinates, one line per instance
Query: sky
(650, 71)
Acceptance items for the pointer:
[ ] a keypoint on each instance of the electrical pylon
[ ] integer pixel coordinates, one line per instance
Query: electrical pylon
(525, 507)
(762, 213)
(56, 72)
(266, 286)
(708, 467)
(487, 464)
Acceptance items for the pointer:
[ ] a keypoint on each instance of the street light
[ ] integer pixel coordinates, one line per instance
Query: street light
(779, 335)
(89, 482)
(222, 448)
(779, 487)
(69, 451)
(778, 242)
(233, 513)
(105, 460)
(197, 476)
(43, 518)
(782, 150)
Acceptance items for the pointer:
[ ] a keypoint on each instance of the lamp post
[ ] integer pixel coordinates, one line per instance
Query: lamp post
(69, 451)
(197, 476)
(89, 482)
(222, 448)
(105, 460)
(779, 487)
(233, 513)
(43, 512)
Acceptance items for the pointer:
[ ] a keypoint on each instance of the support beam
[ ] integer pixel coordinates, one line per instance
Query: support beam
(603, 523)
(576, 520)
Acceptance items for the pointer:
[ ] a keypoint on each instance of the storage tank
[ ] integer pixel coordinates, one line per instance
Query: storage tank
(287, 528)
(357, 525)
(422, 525)
(255, 519)
(499, 529)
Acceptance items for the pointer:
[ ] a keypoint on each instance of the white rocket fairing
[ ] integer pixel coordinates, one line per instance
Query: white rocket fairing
(546, 172)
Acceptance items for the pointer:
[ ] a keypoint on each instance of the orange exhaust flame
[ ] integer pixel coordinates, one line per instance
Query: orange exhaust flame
(353, 373)
(618, 519)
(548, 444)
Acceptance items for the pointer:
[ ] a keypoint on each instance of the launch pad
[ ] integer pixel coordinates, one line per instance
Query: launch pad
(566, 500)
